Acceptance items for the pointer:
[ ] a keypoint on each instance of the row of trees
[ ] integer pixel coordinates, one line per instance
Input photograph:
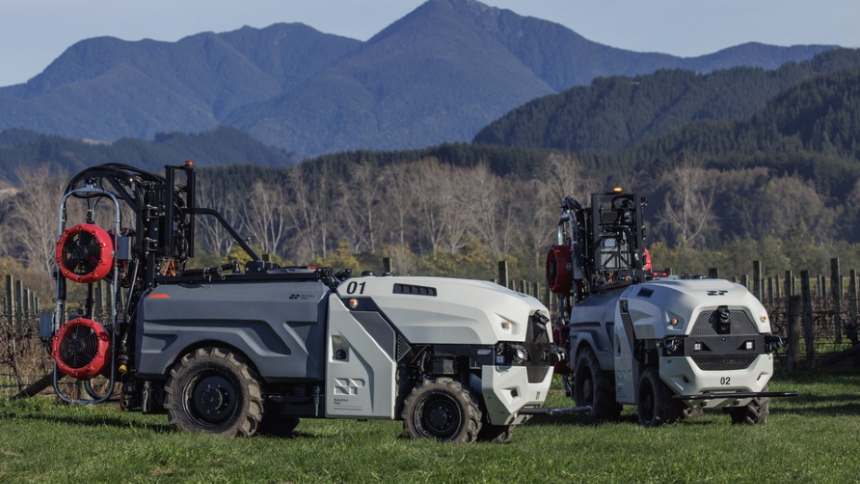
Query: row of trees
(434, 217)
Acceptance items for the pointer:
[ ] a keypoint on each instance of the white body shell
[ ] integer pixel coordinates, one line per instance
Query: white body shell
(652, 306)
(462, 312)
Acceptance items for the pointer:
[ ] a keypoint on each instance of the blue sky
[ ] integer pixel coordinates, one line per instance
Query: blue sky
(34, 32)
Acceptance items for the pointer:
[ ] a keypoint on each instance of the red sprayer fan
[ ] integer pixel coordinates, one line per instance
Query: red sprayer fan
(559, 276)
(80, 348)
(85, 253)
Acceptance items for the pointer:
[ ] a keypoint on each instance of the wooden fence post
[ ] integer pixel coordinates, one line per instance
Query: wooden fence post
(757, 280)
(503, 273)
(547, 295)
(745, 281)
(836, 296)
(851, 329)
(524, 286)
(386, 265)
(770, 291)
(19, 306)
(793, 350)
(808, 333)
(788, 284)
(26, 304)
(9, 306)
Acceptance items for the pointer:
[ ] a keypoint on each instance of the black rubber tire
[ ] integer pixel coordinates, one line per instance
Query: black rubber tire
(236, 376)
(754, 413)
(442, 396)
(276, 424)
(594, 387)
(497, 434)
(654, 403)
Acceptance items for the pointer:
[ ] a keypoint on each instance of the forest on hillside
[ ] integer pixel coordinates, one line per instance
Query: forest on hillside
(781, 185)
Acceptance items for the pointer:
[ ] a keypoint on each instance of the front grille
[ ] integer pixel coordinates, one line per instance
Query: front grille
(714, 363)
(413, 290)
(741, 323)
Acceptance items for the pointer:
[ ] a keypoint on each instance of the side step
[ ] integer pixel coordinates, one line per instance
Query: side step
(721, 395)
(554, 412)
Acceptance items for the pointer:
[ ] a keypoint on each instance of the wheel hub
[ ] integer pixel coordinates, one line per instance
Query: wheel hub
(214, 399)
(441, 416)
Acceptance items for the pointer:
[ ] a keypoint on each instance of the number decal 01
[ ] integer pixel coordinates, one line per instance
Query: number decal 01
(355, 287)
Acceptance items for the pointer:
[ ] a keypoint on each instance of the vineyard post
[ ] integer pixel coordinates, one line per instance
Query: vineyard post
(836, 295)
(757, 289)
(852, 307)
(794, 329)
(808, 333)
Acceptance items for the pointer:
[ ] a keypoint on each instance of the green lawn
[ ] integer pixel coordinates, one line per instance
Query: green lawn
(815, 438)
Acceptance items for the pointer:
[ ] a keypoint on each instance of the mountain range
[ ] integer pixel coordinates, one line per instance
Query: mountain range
(439, 74)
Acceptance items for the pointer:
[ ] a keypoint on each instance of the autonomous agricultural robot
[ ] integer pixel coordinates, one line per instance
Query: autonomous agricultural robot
(670, 346)
(235, 349)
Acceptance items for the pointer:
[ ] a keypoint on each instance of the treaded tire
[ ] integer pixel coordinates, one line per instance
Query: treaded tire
(275, 424)
(594, 387)
(441, 409)
(654, 403)
(754, 413)
(497, 434)
(238, 400)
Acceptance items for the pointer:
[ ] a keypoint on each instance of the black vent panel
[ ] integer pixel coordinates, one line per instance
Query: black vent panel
(720, 362)
(414, 290)
(741, 323)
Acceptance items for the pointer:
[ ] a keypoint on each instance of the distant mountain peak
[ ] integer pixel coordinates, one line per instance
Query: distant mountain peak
(438, 74)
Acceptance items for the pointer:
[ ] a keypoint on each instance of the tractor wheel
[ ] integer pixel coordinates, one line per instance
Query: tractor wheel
(442, 409)
(276, 424)
(211, 390)
(594, 387)
(655, 404)
(498, 434)
(754, 413)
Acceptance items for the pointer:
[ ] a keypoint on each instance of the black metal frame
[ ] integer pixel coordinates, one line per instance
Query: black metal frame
(736, 395)
(164, 230)
(614, 216)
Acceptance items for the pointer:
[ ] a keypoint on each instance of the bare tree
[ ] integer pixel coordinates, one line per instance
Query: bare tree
(266, 215)
(398, 196)
(564, 177)
(790, 207)
(431, 199)
(216, 238)
(688, 205)
(34, 212)
(484, 204)
(359, 201)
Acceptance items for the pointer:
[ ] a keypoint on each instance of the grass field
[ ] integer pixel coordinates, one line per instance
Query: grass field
(815, 438)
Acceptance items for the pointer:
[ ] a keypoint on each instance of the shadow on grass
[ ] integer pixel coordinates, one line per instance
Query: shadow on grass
(577, 420)
(847, 409)
(92, 421)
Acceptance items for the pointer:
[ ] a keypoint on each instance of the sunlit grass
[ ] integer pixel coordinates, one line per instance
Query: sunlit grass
(812, 438)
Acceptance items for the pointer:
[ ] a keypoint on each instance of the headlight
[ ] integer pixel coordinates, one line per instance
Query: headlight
(673, 346)
(520, 355)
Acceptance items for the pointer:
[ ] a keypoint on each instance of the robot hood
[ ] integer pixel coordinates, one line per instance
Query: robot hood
(437, 310)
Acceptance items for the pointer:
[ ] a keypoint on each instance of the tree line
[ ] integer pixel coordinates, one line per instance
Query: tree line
(433, 217)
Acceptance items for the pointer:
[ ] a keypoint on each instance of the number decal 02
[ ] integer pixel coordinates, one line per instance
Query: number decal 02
(355, 287)
(726, 380)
